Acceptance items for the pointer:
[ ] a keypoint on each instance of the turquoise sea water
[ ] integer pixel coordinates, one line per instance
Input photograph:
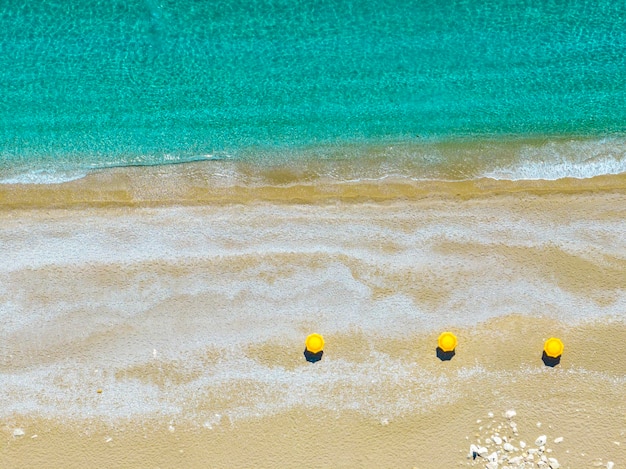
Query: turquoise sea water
(92, 84)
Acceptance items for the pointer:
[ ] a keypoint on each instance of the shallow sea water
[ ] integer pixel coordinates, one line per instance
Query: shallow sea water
(89, 85)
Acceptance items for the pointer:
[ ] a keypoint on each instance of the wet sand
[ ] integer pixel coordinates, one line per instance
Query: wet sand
(187, 303)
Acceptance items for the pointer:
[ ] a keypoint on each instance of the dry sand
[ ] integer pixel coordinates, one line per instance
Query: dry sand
(187, 306)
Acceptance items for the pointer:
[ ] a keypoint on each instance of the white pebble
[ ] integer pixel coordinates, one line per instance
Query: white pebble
(34, 436)
(493, 457)
(509, 414)
(610, 464)
(491, 465)
(108, 440)
(496, 439)
(522, 444)
(171, 428)
(508, 447)
(490, 415)
(541, 440)
(473, 451)
(482, 451)
(538, 424)
(558, 440)
(18, 432)
(554, 464)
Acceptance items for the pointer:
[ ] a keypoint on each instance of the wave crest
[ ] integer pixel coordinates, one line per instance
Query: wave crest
(571, 159)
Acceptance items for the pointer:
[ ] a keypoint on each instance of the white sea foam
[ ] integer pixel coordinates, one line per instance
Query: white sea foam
(105, 288)
(68, 390)
(50, 174)
(558, 160)
(497, 159)
(43, 176)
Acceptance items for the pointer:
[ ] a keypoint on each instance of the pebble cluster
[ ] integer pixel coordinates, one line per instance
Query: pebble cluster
(503, 449)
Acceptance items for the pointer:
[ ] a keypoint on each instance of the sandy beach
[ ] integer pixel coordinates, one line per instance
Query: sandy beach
(156, 317)
(191, 190)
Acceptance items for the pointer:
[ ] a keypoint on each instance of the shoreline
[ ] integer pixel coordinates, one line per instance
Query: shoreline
(196, 184)
(507, 158)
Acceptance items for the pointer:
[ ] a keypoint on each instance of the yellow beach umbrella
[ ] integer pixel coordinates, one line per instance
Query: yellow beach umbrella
(553, 347)
(447, 341)
(315, 343)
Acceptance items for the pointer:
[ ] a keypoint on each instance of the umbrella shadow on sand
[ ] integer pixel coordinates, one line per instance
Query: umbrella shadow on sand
(444, 356)
(550, 361)
(313, 357)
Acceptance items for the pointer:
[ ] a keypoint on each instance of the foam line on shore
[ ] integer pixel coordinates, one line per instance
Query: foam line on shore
(201, 183)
